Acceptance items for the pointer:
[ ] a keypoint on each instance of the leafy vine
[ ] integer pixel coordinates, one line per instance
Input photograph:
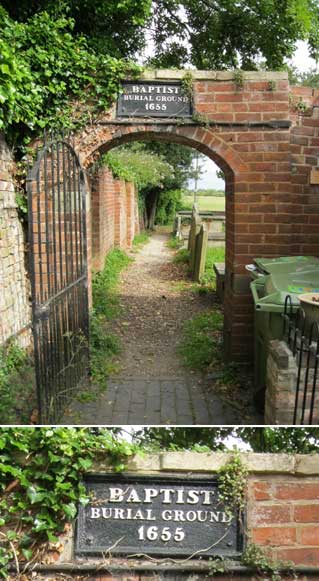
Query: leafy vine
(233, 481)
(239, 78)
(255, 557)
(188, 84)
(40, 484)
(50, 78)
(232, 485)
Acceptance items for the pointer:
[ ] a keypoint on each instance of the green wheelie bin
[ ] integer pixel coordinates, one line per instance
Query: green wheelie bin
(269, 294)
(282, 265)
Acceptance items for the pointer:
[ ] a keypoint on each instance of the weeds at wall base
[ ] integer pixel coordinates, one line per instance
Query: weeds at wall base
(17, 385)
(104, 345)
(140, 240)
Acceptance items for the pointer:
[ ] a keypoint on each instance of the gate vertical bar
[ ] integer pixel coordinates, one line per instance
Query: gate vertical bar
(58, 267)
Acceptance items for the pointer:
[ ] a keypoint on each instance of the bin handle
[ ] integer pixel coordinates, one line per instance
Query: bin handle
(253, 287)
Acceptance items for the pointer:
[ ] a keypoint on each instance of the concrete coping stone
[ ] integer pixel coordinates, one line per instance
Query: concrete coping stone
(219, 268)
(114, 567)
(197, 462)
(178, 74)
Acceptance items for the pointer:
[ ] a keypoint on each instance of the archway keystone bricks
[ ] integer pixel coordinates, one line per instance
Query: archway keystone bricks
(266, 148)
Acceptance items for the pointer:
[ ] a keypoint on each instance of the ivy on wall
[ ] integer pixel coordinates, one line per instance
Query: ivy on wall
(40, 483)
(50, 77)
(41, 472)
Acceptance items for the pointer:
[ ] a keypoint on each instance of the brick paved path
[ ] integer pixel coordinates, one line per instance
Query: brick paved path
(153, 386)
(142, 401)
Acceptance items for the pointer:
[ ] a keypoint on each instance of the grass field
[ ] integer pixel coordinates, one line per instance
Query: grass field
(205, 203)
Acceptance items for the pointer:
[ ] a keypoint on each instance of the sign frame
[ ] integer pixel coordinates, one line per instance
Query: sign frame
(130, 478)
(152, 114)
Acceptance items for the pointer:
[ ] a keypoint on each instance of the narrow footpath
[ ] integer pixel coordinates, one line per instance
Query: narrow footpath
(153, 387)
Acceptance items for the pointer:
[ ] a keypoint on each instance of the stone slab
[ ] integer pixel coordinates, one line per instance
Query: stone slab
(213, 75)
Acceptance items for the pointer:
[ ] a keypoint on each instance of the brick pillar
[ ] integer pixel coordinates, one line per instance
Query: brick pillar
(15, 311)
(304, 146)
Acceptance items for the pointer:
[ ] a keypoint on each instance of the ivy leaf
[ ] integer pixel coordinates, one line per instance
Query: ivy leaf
(70, 510)
(27, 553)
(85, 463)
(52, 538)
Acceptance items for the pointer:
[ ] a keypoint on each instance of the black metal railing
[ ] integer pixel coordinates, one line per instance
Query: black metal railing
(302, 338)
(58, 270)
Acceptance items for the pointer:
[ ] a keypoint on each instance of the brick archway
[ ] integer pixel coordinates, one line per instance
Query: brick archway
(247, 133)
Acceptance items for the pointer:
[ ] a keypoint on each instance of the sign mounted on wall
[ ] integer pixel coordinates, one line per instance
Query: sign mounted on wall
(153, 99)
(155, 516)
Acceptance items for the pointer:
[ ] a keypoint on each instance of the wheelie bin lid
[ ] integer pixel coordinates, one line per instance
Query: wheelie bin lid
(281, 264)
(270, 291)
(286, 264)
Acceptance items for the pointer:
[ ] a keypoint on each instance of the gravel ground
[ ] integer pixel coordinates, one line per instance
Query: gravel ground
(153, 313)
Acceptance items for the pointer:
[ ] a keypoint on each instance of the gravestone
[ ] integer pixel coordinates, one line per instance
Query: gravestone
(200, 253)
(194, 230)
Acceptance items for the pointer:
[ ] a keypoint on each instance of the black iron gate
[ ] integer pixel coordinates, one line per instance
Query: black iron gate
(303, 340)
(58, 264)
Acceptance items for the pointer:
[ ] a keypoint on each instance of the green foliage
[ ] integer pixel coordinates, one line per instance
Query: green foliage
(17, 385)
(239, 78)
(174, 242)
(40, 482)
(201, 340)
(159, 170)
(104, 283)
(181, 438)
(213, 255)
(297, 103)
(188, 84)
(231, 35)
(136, 165)
(255, 557)
(179, 157)
(217, 565)
(104, 346)
(304, 78)
(232, 485)
(201, 119)
(22, 203)
(140, 239)
(271, 440)
(288, 440)
(182, 256)
(49, 77)
(109, 26)
(169, 202)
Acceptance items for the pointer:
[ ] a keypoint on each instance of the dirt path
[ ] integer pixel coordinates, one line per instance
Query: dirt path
(153, 313)
(153, 386)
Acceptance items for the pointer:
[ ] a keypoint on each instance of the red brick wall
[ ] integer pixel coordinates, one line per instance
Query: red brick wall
(271, 209)
(114, 215)
(102, 196)
(130, 213)
(283, 515)
(304, 147)
(120, 218)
